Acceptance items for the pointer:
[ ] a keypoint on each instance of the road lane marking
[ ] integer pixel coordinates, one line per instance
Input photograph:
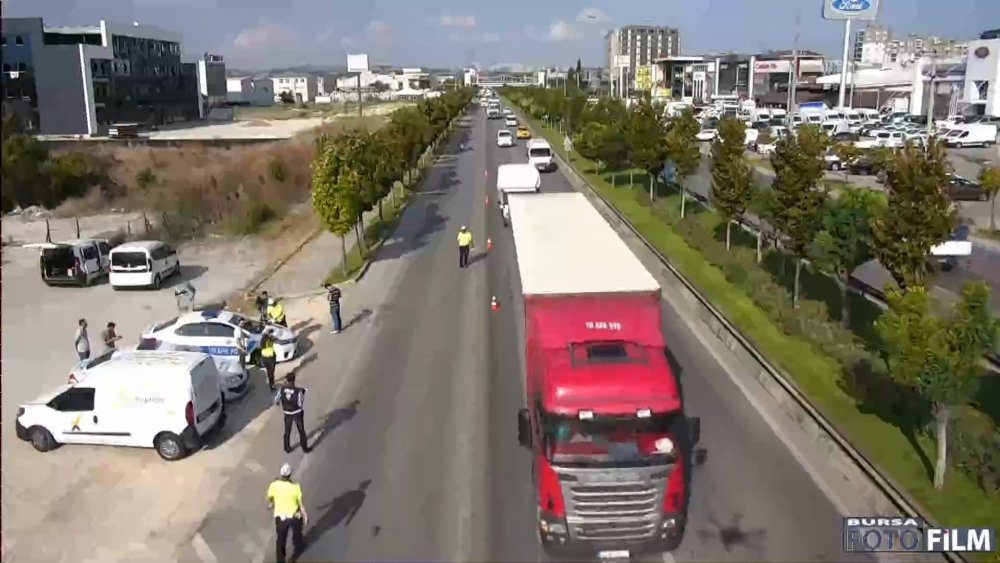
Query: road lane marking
(668, 557)
(201, 549)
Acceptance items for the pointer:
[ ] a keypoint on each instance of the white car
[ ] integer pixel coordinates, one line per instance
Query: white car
(231, 339)
(706, 135)
(505, 138)
(511, 121)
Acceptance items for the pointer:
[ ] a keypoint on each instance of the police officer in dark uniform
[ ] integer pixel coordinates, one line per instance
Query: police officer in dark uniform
(292, 399)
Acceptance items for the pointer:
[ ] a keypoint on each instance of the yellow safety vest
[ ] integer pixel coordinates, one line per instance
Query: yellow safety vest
(267, 350)
(464, 238)
(286, 496)
(276, 312)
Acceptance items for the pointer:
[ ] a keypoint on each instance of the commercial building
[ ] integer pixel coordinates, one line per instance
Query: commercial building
(80, 80)
(637, 48)
(212, 85)
(302, 87)
(980, 88)
(249, 91)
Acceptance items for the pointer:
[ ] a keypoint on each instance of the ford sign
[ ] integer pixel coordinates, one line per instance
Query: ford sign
(850, 9)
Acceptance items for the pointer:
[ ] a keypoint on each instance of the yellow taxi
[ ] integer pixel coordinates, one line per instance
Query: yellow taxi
(523, 133)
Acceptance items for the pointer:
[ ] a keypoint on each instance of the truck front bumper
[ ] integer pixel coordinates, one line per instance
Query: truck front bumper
(563, 545)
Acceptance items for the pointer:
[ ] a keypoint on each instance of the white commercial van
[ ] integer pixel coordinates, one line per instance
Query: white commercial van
(540, 155)
(144, 263)
(972, 135)
(74, 262)
(518, 178)
(164, 400)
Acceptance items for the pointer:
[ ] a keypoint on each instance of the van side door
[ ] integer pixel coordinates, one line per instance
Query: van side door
(73, 418)
(104, 251)
(91, 259)
(170, 258)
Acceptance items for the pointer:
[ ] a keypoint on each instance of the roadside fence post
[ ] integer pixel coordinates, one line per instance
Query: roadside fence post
(48, 231)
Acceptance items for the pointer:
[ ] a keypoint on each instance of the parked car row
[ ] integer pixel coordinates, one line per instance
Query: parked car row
(133, 264)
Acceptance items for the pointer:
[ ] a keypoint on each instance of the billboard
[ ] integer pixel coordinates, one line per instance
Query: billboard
(806, 66)
(357, 63)
(622, 60)
(644, 78)
(850, 9)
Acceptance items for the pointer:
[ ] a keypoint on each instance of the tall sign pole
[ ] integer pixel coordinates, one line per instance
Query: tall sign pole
(358, 64)
(848, 11)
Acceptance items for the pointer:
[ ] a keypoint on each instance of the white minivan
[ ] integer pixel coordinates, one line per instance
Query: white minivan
(144, 263)
(973, 134)
(164, 400)
(74, 262)
(540, 155)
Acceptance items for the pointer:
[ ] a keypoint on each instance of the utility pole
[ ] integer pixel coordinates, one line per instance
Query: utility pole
(844, 64)
(793, 72)
(361, 112)
(931, 93)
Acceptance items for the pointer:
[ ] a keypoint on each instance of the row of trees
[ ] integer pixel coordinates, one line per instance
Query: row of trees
(939, 357)
(33, 176)
(353, 172)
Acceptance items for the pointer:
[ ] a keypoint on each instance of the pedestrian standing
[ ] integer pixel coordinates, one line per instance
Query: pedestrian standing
(292, 400)
(464, 246)
(110, 336)
(276, 312)
(333, 296)
(82, 340)
(267, 358)
(285, 497)
(261, 303)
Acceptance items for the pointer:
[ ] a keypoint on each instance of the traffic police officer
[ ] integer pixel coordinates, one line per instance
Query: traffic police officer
(276, 312)
(267, 358)
(464, 245)
(292, 399)
(285, 497)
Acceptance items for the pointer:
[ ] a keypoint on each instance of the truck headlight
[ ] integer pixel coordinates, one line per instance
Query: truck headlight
(554, 528)
(669, 523)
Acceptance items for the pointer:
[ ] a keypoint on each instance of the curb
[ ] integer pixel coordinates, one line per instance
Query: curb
(873, 486)
(280, 263)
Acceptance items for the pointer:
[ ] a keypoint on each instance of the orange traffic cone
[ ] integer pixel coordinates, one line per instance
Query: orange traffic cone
(487, 200)
(489, 245)
(494, 304)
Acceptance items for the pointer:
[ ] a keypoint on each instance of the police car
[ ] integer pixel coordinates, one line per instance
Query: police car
(231, 339)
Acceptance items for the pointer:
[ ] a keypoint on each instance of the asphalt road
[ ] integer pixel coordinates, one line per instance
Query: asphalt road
(430, 468)
(982, 265)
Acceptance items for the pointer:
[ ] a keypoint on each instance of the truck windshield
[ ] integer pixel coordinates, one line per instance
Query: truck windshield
(539, 153)
(610, 442)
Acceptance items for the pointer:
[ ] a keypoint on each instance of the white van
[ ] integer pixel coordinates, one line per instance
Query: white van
(164, 400)
(540, 155)
(972, 135)
(74, 262)
(144, 263)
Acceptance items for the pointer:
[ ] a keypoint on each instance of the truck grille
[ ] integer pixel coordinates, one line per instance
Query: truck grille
(600, 508)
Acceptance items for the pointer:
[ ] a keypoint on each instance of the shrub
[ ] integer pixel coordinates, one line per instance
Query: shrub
(278, 169)
(974, 447)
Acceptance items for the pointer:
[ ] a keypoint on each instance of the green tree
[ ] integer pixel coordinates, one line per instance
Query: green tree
(613, 150)
(286, 97)
(939, 358)
(799, 195)
(587, 141)
(732, 177)
(920, 214)
(845, 241)
(683, 150)
(762, 204)
(23, 176)
(574, 112)
(645, 135)
(989, 179)
(846, 152)
(335, 196)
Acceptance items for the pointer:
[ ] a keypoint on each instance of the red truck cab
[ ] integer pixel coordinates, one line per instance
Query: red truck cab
(603, 416)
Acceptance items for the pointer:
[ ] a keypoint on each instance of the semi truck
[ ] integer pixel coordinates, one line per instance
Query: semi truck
(603, 416)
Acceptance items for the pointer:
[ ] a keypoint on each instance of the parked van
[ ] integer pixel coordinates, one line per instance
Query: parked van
(973, 135)
(144, 263)
(74, 262)
(164, 400)
(540, 155)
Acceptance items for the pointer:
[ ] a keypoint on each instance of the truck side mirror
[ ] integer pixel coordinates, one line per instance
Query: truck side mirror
(694, 430)
(523, 428)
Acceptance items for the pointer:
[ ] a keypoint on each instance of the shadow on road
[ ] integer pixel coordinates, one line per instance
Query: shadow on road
(341, 509)
(189, 272)
(332, 421)
(732, 535)
(243, 411)
(358, 317)
(404, 243)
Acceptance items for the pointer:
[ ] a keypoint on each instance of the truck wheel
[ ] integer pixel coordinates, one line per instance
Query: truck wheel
(170, 446)
(41, 439)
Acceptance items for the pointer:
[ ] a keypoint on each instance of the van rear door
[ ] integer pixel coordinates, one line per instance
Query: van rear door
(58, 262)
(206, 395)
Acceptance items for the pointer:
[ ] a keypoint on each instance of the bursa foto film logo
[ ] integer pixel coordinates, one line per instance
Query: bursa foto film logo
(880, 534)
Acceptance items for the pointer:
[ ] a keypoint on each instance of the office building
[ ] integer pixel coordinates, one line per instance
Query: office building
(641, 46)
(875, 45)
(303, 88)
(79, 80)
(212, 85)
(249, 91)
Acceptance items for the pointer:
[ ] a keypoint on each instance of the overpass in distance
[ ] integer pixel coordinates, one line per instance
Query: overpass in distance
(507, 79)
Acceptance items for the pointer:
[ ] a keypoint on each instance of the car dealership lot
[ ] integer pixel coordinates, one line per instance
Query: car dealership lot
(79, 502)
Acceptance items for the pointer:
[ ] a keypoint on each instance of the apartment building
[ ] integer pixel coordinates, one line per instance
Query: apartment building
(876, 45)
(642, 45)
(249, 91)
(79, 80)
(302, 87)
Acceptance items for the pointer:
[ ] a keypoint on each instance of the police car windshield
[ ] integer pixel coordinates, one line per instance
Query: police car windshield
(610, 442)
(251, 326)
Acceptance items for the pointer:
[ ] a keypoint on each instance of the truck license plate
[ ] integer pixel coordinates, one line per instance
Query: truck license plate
(622, 554)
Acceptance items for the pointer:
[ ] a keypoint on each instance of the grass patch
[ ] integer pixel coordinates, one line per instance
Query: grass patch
(901, 454)
(375, 233)
(986, 233)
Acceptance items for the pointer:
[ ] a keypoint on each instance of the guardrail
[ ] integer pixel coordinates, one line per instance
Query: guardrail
(880, 482)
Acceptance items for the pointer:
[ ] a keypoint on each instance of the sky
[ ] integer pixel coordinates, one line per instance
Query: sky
(261, 34)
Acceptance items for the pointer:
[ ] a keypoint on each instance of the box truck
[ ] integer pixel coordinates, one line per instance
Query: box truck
(602, 417)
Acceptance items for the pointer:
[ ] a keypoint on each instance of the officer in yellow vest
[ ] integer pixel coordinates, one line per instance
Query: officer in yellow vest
(285, 497)
(267, 358)
(464, 245)
(276, 312)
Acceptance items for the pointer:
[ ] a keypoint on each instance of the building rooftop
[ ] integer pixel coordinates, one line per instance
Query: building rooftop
(73, 29)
